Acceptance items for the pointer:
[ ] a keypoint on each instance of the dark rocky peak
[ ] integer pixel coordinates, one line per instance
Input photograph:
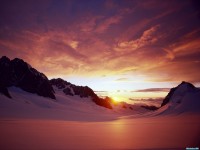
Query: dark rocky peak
(18, 73)
(85, 91)
(180, 90)
(59, 83)
(188, 86)
(18, 60)
(20, 64)
(82, 91)
(4, 60)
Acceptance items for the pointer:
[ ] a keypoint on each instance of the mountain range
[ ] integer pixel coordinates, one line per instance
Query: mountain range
(17, 73)
(20, 74)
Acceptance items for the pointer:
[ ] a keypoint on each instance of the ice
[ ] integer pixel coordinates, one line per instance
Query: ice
(131, 133)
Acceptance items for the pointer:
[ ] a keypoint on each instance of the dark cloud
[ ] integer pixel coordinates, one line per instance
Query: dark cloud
(148, 101)
(153, 90)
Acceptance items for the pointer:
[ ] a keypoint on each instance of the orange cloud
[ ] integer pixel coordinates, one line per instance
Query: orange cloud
(147, 38)
(129, 37)
(187, 45)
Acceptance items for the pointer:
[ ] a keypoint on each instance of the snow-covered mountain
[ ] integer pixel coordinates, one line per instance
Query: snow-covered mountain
(29, 105)
(18, 73)
(181, 99)
(24, 90)
(82, 91)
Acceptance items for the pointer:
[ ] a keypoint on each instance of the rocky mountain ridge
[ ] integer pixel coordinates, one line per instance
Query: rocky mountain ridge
(18, 73)
(177, 93)
(82, 91)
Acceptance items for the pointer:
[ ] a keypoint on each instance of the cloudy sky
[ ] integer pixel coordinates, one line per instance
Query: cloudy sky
(115, 47)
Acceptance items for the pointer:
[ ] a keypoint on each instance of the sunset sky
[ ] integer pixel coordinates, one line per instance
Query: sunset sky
(123, 49)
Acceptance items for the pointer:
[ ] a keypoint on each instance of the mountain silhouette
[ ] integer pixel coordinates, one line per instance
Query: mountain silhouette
(185, 98)
(20, 74)
(82, 91)
(179, 91)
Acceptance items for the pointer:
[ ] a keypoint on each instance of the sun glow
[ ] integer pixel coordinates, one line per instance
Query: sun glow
(116, 99)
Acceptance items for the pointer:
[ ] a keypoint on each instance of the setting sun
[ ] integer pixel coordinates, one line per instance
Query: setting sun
(116, 99)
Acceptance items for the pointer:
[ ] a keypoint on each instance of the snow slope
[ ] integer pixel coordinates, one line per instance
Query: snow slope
(29, 121)
(65, 107)
(28, 105)
(185, 98)
(149, 133)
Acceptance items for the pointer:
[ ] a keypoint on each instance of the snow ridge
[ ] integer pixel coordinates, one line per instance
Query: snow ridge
(185, 98)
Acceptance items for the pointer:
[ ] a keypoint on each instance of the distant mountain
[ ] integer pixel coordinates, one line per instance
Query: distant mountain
(82, 91)
(185, 97)
(18, 73)
(150, 107)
